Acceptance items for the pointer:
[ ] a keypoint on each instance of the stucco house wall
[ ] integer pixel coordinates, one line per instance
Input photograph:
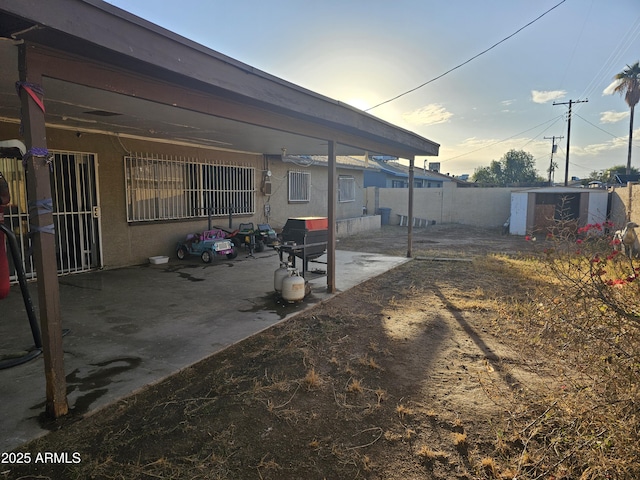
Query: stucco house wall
(280, 207)
(129, 243)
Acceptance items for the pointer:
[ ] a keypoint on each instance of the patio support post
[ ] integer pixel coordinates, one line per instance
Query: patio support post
(410, 209)
(331, 213)
(40, 204)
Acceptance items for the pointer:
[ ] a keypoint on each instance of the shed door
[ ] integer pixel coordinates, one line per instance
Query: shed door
(556, 209)
(518, 219)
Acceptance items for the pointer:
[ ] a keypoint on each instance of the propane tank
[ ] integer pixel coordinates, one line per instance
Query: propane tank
(293, 287)
(279, 275)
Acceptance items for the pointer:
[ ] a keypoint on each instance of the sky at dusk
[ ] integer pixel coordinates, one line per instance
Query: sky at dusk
(365, 52)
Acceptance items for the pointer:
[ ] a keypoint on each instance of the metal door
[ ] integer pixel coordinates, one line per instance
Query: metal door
(76, 216)
(76, 212)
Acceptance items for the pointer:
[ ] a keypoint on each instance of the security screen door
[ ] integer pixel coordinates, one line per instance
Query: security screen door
(76, 212)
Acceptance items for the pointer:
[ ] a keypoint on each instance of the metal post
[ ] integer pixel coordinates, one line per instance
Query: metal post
(331, 211)
(410, 208)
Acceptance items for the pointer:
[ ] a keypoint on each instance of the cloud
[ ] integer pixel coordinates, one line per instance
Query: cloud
(613, 117)
(610, 88)
(506, 103)
(606, 148)
(428, 115)
(544, 97)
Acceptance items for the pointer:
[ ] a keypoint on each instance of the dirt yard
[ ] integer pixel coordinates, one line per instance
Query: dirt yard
(403, 377)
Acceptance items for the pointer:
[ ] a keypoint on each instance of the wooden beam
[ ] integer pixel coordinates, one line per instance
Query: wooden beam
(331, 212)
(43, 234)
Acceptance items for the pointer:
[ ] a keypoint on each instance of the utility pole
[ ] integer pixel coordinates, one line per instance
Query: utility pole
(554, 149)
(566, 168)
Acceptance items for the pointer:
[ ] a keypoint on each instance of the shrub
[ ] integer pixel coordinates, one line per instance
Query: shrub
(587, 425)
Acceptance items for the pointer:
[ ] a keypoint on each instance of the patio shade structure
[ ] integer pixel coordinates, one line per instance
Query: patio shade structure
(85, 64)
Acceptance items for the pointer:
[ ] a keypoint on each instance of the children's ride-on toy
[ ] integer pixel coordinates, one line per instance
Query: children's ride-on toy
(249, 236)
(207, 245)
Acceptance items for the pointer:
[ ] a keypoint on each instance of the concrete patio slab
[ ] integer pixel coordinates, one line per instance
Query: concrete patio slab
(132, 327)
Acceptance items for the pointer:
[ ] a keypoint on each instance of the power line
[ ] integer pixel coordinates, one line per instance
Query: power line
(464, 63)
(554, 120)
(614, 57)
(601, 129)
(532, 139)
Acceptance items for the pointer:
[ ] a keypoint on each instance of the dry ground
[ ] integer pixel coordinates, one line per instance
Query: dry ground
(402, 377)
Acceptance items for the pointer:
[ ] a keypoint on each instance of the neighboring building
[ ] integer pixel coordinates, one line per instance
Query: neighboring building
(623, 179)
(393, 174)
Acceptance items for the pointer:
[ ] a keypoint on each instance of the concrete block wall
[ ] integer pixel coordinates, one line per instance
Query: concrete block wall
(351, 226)
(482, 207)
(625, 203)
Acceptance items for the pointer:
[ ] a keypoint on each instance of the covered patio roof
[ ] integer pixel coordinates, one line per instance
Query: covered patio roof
(87, 66)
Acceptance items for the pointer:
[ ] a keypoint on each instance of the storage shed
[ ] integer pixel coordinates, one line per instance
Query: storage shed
(537, 210)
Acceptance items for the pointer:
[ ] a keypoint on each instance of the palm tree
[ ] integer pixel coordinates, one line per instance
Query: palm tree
(629, 85)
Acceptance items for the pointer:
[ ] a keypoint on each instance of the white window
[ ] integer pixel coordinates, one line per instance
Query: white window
(299, 186)
(346, 189)
(169, 189)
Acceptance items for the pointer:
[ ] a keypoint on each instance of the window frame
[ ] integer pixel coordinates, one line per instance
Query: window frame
(159, 188)
(346, 188)
(299, 186)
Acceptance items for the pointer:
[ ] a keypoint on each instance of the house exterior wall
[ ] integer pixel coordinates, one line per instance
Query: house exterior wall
(128, 243)
(281, 209)
(125, 243)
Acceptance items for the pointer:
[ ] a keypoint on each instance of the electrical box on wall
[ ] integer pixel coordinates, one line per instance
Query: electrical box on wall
(266, 187)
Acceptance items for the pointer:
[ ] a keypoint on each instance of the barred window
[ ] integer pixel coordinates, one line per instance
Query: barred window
(170, 189)
(346, 189)
(299, 186)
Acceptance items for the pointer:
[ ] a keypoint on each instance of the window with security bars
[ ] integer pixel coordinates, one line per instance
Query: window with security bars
(171, 189)
(299, 186)
(346, 189)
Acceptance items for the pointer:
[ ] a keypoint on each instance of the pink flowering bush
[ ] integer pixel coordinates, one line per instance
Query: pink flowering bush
(590, 316)
(592, 267)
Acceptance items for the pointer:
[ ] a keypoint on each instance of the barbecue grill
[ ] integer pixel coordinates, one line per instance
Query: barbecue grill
(305, 238)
